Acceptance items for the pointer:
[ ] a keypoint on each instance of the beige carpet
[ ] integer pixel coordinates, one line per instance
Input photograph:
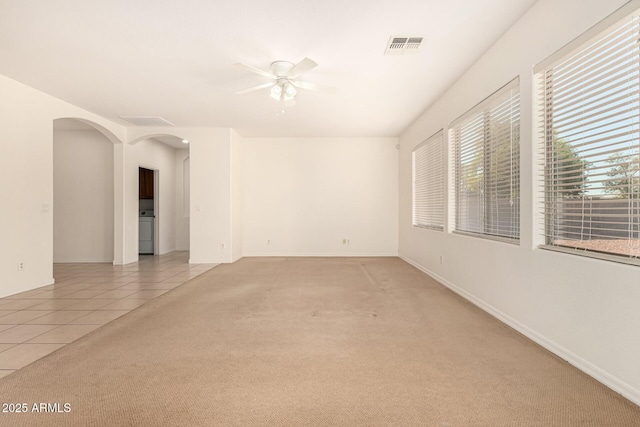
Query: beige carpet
(310, 341)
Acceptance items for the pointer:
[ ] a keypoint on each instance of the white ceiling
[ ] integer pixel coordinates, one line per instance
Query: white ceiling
(175, 59)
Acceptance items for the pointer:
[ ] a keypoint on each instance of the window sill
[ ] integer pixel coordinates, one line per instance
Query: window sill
(488, 237)
(591, 254)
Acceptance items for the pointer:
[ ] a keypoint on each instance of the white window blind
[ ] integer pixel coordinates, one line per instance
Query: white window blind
(591, 151)
(428, 183)
(486, 143)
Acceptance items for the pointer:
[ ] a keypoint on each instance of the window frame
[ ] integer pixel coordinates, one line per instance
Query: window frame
(484, 112)
(545, 204)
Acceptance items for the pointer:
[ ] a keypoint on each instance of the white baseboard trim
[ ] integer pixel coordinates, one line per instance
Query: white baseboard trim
(320, 254)
(47, 282)
(292, 255)
(611, 381)
(84, 261)
(209, 261)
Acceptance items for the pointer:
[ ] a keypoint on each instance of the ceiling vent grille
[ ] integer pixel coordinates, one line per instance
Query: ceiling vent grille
(147, 120)
(403, 45)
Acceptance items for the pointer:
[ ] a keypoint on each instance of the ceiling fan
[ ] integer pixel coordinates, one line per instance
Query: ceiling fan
(284, 76)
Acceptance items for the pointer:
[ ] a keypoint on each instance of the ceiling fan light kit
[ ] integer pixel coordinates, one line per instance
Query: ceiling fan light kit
(283, 90)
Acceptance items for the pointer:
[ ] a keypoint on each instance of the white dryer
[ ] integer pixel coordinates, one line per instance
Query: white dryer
(145, 233)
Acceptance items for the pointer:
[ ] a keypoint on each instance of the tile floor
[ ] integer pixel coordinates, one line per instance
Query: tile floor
(83, 298)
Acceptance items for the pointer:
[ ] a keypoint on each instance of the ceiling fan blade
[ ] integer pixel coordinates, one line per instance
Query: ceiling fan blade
(300, 68)
(256, 70)
(253, 89)
(313, 86)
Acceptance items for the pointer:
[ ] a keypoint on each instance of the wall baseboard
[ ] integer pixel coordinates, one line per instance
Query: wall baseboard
(209, 261)
(320, 254)
(47, 282)
(292, 255)
(84, 261)
(585, 366)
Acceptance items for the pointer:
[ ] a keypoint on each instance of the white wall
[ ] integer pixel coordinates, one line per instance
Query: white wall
(305, 195)
(26, 173)
(182, 211)
(210, 225)
(26, 170)
(583, 309)
(82, 196)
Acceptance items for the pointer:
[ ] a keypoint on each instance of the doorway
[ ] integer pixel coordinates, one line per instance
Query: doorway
(159, 158)
(147, 209)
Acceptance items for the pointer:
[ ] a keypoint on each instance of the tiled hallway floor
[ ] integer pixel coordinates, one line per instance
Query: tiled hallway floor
(83, 298)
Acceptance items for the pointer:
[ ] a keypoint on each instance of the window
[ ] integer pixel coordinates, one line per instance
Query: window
(428, 183)
(486, 144)
(590, 118)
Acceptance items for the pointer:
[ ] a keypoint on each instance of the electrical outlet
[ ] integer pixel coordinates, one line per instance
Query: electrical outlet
(20, 266)
(268, 241)
(441, 259)
(221, 245)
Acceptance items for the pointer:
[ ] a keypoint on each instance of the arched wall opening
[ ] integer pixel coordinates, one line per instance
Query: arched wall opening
(160, 156)
(83, 192)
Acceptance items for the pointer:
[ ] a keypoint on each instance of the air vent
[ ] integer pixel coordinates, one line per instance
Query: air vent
(147, 120)
(403, 45)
